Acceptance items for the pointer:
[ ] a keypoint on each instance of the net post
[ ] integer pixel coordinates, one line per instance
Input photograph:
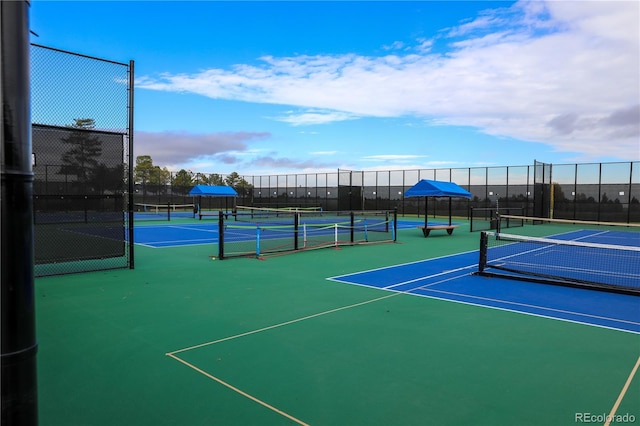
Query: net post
(482, 260)
(296, 224)
(335, 234)
(470, 219)
(258, 241)
(394, 227)
(304, 233)
(220, 235)
(169, 211)
(352, 227)
(498, 221)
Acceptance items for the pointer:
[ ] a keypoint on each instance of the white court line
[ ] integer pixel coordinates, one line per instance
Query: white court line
(271, 327)
(171, 243)
(527, 305)
(145, 245)
(507, 302)
(188, 228)
(479, 304)
(241, 392)
(282, 324)
(194, 226)
(181, 241)
(439, 274)
(337, 277)
(180, 245)
(622, 393)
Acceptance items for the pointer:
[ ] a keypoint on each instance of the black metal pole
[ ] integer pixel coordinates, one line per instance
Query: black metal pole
(395, 224)
(352, 227)
(130, 182)
(19, 345)
(220, 235)
(296, 229)
(426, 212)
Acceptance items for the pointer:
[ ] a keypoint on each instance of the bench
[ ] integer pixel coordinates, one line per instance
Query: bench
(427, 229)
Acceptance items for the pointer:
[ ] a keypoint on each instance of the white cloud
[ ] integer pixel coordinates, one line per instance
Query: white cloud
(324, 153)
(552, 72)
(396, 45)
(392, 157)
(176, 148)
(424, 45)
(315, 117)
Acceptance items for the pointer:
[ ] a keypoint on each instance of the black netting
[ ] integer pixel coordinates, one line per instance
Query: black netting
(80, 154)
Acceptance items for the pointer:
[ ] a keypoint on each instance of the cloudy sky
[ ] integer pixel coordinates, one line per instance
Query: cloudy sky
(294, 87)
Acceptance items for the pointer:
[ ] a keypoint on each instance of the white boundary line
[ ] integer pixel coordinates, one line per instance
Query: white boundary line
(439, 274)
(506, 302)
(235, 389)
(271, 327)
(534, 306)
(337, 277)
(282, 324)
(622, 393)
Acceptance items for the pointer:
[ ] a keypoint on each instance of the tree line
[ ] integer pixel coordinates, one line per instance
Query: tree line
(146, 173)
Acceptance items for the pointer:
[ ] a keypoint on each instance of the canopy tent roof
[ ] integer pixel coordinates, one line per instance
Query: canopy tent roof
(436, 188)
(213, 191)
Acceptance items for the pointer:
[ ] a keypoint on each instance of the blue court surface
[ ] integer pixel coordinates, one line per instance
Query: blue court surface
(178, 235)
(451, 278)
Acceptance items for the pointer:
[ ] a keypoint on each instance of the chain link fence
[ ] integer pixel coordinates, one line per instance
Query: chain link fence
(590, 191)
(80, 136)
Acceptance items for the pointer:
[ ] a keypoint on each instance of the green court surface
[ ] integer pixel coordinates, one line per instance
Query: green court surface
(184, 340)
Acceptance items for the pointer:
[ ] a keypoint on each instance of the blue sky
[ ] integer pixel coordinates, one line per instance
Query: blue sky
(296, 87)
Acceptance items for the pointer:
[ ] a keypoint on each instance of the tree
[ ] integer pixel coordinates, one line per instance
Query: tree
(242, 187)
(159, 176)
(216, 179)
(81, 159)
(183, 178)
(142, 171)
(232, 179)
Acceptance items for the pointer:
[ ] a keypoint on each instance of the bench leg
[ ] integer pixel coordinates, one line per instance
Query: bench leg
(450, 231)
(426, 232)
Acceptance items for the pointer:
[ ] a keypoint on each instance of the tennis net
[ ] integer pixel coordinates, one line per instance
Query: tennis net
(281, 215)
(487, 219)
(293, 231)
(563, 261)
(145, 211)
(628, 233)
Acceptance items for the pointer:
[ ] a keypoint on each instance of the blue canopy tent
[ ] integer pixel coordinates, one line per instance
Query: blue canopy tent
(434, 188)
(213, 191)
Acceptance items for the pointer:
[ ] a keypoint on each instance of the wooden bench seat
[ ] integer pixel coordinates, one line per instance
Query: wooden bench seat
(427, 229)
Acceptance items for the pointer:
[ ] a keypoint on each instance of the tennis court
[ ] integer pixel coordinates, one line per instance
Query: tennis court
(401, 334)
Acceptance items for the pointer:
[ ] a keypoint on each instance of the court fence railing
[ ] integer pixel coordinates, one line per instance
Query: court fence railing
(586, 191)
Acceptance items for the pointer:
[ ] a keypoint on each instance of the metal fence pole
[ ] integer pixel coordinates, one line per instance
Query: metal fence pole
(130, 168)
